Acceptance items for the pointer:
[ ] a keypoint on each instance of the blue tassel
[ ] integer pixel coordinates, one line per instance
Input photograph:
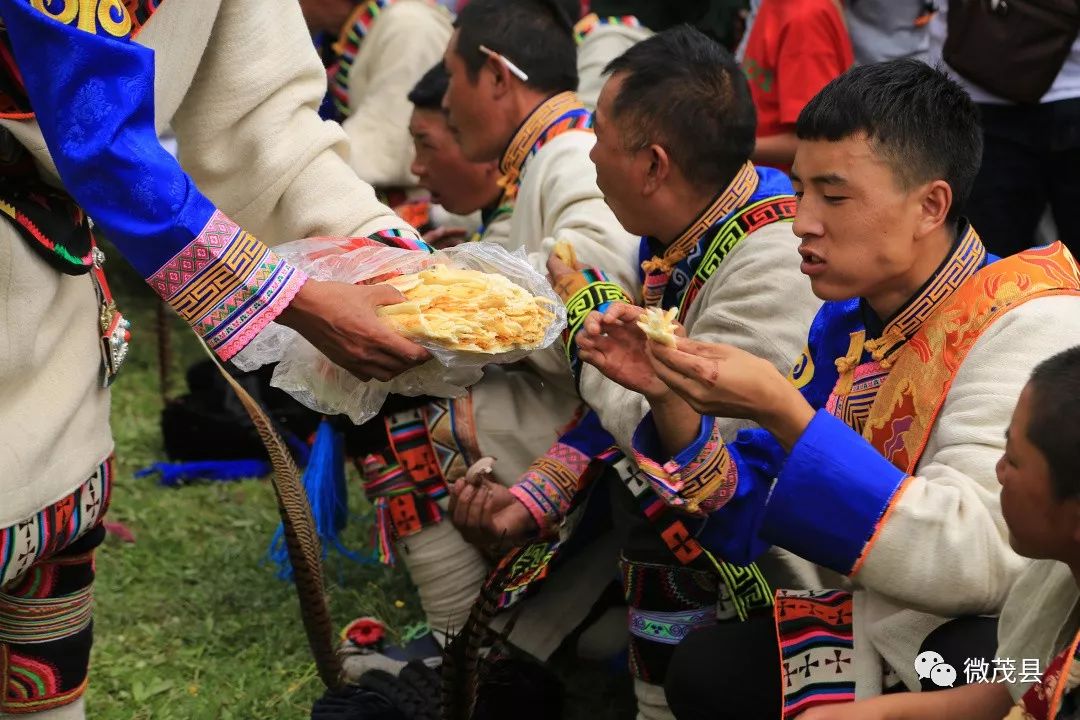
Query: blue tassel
(324, 483)
(177, 474)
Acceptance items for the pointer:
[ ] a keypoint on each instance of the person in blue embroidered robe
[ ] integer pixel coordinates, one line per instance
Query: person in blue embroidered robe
(84, 88)
(675, 128)
(875, 457)
(1032, 674)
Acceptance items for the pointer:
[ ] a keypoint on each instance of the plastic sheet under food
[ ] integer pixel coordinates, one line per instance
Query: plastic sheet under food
(307, 375)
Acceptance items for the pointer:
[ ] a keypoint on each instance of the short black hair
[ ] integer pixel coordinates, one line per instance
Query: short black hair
(683, 90)
(1054, 425)
(428, 93)
(920, 121)
(535, 35)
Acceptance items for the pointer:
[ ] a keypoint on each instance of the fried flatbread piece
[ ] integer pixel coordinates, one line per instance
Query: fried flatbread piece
(658, 325)
(468, 310)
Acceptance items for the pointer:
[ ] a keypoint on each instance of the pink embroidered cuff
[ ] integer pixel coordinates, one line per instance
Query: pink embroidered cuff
(699, 480)
(227, 285)
(548, 487)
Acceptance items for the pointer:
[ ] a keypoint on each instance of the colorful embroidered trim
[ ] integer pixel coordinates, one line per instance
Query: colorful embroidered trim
(46, 630)
(734, 196)
(549, 486)
(745, 590)
(968, 257)
(428, 446)
(524, 569)
(852, 404)
(227, 285)
(590, 22)
(559, 114)
(55, 527)
(669, 628)
(908, 403)
(674, 598)
(593, 296)
(731, 233)
(816, 648)
(53, 224)
(347, 47)
(696, 485)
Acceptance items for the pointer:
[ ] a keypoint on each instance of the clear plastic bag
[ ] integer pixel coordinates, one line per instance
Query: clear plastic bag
(307, 375)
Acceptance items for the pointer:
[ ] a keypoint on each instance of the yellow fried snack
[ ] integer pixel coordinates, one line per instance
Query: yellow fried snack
(565, 252)
(468, 310)
(658, 326)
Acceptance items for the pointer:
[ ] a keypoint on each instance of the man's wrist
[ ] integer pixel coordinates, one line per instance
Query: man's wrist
(298, 309)
(786, 415)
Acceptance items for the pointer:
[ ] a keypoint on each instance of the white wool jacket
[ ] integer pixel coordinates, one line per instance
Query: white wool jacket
(406, 40)
(240, 83)
(944, 551)
(603, 44)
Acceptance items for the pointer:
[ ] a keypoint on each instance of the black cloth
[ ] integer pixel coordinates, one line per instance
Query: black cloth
(1030, 159)
(733, 670)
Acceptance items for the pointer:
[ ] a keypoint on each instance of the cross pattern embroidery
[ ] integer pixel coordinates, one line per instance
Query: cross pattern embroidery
(839, 662)
(678, 540)
(808, 666)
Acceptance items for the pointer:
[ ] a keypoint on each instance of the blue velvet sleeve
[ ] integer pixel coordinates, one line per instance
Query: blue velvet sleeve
(831, 495)
(92, 92)
(732, 483)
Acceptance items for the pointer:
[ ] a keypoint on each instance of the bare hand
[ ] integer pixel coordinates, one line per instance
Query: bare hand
(339, 319)
(724, 381)
(565, 279)
(446, 237)
(487, 514)
(614, 344)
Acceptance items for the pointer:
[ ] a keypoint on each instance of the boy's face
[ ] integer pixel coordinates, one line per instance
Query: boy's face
(455, 183)
(470, 104)
(1040, 525)
(856, 222)
(620, 173)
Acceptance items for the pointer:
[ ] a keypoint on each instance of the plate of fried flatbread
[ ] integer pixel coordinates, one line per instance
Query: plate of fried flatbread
(468, 311)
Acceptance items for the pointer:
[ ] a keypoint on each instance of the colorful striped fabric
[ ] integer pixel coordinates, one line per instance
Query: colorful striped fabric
(347, 48)
(816, 648)
(55, 527)
(590, 22)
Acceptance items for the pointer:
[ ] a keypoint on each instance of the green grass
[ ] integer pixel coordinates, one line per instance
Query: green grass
(191, 621)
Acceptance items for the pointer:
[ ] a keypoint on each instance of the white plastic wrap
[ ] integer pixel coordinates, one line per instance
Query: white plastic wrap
(311, 378)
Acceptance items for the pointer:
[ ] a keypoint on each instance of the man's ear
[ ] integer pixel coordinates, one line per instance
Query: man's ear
(500, 77)
(659, 168)
(935, 201)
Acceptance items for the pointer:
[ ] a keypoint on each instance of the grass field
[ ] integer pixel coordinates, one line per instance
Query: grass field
(191, 620)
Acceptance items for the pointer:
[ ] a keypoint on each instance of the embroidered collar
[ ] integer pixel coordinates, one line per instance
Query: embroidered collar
(592, 21)
(553, 117)
(735, 195)
(967, 257)
(525, 138)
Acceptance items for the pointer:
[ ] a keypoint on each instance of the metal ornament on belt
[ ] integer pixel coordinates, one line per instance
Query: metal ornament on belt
(115, 328)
